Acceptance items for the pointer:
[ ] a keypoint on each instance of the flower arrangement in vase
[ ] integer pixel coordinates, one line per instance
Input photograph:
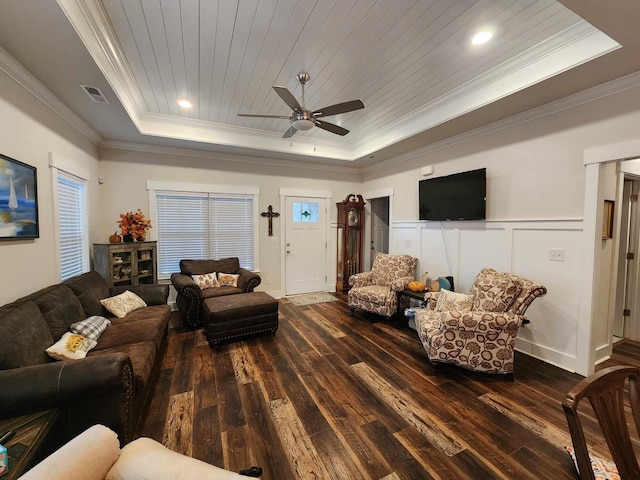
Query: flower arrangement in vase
(134, 225)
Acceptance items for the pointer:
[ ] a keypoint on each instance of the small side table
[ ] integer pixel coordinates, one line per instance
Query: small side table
(30, 430)
(406, 293)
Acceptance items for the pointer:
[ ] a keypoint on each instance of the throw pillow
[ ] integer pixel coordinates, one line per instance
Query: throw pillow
(122, 304)
(207, 280)
(92, 327)
(454, 302)
(71, 347)
(602, 469)
(228, 279)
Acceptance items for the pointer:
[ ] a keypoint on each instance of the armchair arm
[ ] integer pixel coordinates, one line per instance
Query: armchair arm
(189, 299)
(479, 321)
(152, 294)
(91, 390)
(360, 279)
(146, 459)
(248, 280)
(400, 283)
(431, 299)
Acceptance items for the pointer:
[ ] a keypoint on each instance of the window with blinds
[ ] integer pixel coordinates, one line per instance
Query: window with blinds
(72, 231)
(203, 225)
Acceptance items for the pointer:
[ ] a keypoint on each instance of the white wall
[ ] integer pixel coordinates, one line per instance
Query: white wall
(126, 172)
(28, 132)
(535, 202)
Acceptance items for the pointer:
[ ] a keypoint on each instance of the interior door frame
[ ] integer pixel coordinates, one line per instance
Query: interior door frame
(631, 326)
(285, 193)
(383, 192)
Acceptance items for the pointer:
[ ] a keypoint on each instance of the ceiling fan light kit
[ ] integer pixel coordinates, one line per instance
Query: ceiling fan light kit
(303, 119)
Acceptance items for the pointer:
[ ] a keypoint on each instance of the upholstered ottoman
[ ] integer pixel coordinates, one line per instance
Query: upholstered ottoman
(233, 316)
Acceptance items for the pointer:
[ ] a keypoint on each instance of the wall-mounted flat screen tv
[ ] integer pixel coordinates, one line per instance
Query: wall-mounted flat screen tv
(461, 196)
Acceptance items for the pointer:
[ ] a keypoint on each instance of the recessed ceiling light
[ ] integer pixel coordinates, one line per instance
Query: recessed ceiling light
(184, 103)
(481, 37)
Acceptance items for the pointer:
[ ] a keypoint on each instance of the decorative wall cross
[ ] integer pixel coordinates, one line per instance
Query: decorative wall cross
(271, 214)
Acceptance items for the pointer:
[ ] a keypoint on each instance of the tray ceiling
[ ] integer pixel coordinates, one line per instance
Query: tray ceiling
(410, 61)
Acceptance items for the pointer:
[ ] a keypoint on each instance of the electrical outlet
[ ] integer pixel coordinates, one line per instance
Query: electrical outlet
(407, 243)
(268, 281)
(556, 255)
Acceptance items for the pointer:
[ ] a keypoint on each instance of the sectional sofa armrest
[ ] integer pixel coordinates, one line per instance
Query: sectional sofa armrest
(152, 294)
(248, 280)
(87, 391)
(482, 322)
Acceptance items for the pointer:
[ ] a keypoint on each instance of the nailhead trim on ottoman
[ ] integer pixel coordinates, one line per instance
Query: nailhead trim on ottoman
(235, 316)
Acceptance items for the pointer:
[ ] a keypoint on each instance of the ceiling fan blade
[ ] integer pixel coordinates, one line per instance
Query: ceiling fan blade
(330, 127)
(339, 108)
(288, 98)
(255, 115)
(290, 133)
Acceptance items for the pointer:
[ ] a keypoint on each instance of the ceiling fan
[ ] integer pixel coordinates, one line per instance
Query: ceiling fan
(303, 119)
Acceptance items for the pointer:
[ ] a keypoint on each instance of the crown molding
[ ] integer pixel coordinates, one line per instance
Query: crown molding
(586, 96)
(228, 157)
(573, 46)
(16, 71)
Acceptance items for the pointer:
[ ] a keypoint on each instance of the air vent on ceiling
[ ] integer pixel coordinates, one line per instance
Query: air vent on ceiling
(95, 94)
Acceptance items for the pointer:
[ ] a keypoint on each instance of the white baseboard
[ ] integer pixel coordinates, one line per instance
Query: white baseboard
(554, 357)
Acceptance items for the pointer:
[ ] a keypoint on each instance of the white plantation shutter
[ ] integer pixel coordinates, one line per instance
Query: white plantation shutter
(72, 234)
(203, 225)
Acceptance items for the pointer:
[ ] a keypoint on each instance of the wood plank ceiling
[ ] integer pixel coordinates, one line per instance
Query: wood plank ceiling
(402, 58)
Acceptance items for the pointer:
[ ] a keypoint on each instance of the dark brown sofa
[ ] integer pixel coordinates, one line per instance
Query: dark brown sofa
(190, 297)
(109, 386)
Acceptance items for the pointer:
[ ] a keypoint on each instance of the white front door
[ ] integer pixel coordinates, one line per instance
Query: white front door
(305, 245)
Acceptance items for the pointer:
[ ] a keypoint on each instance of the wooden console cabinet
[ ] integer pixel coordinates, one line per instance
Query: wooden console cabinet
(132, 263)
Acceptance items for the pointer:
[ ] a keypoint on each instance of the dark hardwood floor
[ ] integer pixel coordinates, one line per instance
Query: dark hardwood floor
(333, 396)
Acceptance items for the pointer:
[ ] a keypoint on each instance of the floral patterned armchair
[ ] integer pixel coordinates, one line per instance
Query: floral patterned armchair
(376, 291)
(477, 332)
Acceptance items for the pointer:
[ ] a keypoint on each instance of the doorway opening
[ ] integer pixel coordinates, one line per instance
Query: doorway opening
(626, 318)
(379, 227)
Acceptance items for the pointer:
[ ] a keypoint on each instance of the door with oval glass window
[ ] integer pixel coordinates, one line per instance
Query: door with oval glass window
(305, 245)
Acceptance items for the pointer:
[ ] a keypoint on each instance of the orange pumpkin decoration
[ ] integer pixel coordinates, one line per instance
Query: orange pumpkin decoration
(416, 286)
(115, 238)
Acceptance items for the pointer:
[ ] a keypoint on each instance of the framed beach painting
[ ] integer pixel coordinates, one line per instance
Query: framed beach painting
(18, 200)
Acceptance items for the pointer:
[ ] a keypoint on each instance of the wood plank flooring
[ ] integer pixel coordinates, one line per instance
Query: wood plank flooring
(333, 396)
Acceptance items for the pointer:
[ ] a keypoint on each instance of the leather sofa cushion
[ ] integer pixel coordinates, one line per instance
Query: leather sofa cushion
(143, 357)
(154, 311)
(59, 306)
(90, 288)
(200, 267)
(244, 305)
(220, 291)
(146, 330)
(24, 336)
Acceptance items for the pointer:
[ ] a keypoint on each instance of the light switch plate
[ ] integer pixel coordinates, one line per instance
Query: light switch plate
(556, 255)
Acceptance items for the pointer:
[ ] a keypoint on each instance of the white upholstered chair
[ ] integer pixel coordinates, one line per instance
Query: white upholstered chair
(95, 454)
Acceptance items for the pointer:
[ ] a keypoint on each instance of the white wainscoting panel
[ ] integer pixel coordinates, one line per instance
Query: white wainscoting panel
(522, 247)
(552, 333)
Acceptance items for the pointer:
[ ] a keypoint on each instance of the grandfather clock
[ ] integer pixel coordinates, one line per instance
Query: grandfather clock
(350, 230)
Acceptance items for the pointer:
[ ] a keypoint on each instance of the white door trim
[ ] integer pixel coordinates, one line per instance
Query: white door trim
(330, 257)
